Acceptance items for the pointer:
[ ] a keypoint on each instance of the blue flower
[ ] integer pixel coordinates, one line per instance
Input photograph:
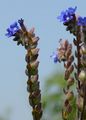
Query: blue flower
(12, 29)
(81, 21)
(54, 56)
(72, 10)
(67, 15)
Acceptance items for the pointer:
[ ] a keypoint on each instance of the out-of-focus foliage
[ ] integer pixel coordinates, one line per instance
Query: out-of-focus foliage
(53, 98)
(6, 115)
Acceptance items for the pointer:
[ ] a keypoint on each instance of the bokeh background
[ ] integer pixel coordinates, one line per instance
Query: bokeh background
(40, 14)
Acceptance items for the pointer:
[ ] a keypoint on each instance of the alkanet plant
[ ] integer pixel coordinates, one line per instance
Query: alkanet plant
(30, 42)
(75, 72)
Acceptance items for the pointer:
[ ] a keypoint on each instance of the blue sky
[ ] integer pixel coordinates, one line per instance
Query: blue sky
(40, 14)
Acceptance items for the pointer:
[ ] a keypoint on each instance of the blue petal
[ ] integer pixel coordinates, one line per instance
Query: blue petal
(67, 15)
(13, 25)
(55, 58)
(72, 10)
(81, 21)
(12, 29)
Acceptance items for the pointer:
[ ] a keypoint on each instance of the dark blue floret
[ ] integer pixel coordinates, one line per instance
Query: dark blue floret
(67, 15)
(81, 21)
(55, 58)
(72, 10)
(12, 29)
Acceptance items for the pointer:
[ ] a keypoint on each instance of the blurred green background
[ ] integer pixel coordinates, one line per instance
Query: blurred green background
(54, 97)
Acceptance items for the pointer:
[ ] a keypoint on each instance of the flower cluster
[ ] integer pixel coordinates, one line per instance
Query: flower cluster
(67, 15)
(65, 55)
(11, 31)
(81, 21)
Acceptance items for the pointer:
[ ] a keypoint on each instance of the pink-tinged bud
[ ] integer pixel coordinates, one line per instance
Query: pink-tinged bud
(34, 51)
(32, 30)
(31, 33)
(79, 103)
(82, 75)
(71, 68)
(69, 95)
(83, 49)
(66, 65)
(35, 40)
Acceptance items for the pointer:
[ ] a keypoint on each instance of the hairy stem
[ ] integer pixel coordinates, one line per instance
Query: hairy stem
(78, 54)
(84, 102)
(78, 39)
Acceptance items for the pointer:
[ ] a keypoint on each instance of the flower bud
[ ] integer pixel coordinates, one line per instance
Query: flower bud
(34, 78)
(34, 51)
(35, 40)
(82, 75)
(37, 112)
(69, 108)
(79, 103)
(71, 68)
(34, 98)
(71, 58)
(68, 53)
(65, 115)
(69, 95)
(34, 64)
(83, 49)
(81, 92)
(67, 74)
(70, 81)
(83, 60)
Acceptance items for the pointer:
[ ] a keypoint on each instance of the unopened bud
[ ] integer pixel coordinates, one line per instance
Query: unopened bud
(34, 78)
(83, 49)
(69, 95)
(34, 51)
(71, 68)
(67, 74)
(82, 75)
(68, 53)
(35, 39)
(79, 103)
(70, 81)
(34, 64)
(65, 115)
